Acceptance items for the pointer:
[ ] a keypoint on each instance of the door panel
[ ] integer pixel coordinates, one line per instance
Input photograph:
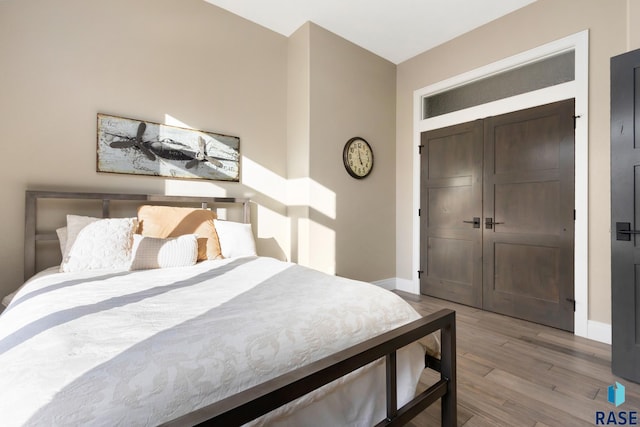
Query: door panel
(451, 154)
(520, 268)
(448, 206)
(532, 207)
(451, 260)
(451, 193)
(528, 253)
(625, 204)
(514, 151)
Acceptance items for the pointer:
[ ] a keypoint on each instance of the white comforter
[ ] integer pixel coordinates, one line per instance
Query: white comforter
(139, 348)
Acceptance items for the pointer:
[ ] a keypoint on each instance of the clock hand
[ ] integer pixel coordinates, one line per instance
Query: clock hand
(360, 158)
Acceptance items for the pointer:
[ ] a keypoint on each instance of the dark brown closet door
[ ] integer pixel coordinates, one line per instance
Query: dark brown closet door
(451, 196)
(529, 214)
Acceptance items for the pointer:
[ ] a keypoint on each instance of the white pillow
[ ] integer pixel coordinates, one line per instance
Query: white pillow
(236, 239)
(75, 224)
(95, 243)
(7, 299)
(62, 238)
(154, 252)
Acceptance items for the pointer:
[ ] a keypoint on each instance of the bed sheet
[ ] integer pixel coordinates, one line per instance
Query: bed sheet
(144, 347)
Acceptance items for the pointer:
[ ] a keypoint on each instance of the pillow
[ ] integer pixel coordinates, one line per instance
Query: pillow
(236, 239)
(77, 224)
(153, 252)
(95, 243)
(7, 299)
(169, 221)
(62, 238)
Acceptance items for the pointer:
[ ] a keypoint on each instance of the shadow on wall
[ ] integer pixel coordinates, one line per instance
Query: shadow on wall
(270, 247)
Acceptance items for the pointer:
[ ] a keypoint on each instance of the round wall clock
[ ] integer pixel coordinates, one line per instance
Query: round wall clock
(358, 157)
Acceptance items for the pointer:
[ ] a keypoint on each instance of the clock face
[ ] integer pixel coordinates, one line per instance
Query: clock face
(358, 157)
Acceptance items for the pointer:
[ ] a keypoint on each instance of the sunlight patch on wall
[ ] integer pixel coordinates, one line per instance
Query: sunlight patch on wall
(307, 192)
(289, 192)
(324, 237)
(305, 235)
(172, 121)
(263, 180)
(272, 232)
(321, 237)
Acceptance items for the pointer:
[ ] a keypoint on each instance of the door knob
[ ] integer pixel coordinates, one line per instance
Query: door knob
(488, 223)
(475, 222)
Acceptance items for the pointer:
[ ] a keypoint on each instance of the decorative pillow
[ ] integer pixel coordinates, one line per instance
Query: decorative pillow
(75, 223)
(95, 243)
(7, 299)
(62, 238)
(169, 221)
(236, 239)
(153, 252)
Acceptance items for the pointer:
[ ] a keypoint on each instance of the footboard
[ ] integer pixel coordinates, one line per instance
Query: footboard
(263, 398)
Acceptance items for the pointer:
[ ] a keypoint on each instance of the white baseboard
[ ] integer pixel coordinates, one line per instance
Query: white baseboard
(407, 285)
(397, 284)
(388, 284)
(599, 331)
(596, 331)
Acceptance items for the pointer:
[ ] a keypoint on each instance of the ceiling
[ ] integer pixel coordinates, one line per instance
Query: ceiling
(396, 30)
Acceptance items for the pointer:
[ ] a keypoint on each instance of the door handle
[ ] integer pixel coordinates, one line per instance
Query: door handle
(488, 223)
(624, 231)
(475, 222)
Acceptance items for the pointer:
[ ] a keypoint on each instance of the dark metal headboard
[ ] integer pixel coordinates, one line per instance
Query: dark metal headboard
(31, 234)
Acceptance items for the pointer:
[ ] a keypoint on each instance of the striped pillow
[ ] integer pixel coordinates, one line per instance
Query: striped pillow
(153, 252)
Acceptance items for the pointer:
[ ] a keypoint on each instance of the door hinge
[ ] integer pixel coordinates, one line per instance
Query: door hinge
(419, 212)
(575, 118)
(574, 214)
(571, 300)
(420, 147)
(420, 272)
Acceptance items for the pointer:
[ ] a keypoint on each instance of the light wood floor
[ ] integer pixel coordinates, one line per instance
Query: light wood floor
(515, 373)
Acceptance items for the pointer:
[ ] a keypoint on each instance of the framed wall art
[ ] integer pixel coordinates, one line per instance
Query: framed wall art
(130, 146)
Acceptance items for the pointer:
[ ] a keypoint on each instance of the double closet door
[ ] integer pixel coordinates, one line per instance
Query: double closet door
(497, 214)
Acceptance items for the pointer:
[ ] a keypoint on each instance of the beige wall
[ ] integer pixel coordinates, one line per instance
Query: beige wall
(64, 61)
(298, 140)
(339, 224)
(539, 23)
(352, 94)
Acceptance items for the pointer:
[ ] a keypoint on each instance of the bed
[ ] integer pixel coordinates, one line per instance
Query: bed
(227, 340)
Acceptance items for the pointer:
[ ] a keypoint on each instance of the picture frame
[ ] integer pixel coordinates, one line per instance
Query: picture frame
(137, 147)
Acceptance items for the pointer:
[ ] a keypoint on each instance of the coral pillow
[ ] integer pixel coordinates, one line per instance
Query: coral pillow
(169, 221)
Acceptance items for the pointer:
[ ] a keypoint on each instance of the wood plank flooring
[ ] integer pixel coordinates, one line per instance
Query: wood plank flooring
(516, 373)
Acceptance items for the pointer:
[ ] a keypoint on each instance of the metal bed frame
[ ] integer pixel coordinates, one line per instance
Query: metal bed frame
(263, 398)
(32, 236)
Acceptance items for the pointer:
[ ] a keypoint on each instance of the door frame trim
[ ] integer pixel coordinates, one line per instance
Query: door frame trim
(577, 89)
